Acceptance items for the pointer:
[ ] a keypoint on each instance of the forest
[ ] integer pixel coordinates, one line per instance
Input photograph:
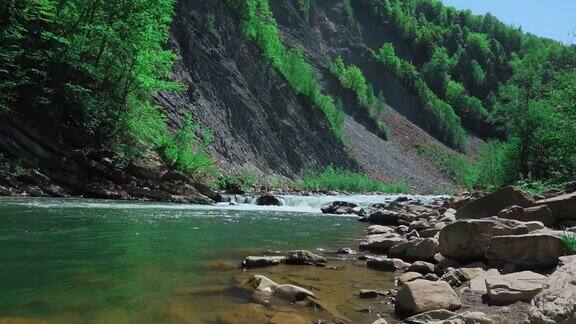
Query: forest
(513, 88)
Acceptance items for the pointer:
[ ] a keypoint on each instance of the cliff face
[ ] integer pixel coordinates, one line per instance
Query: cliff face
(258, 121)
(262, 126)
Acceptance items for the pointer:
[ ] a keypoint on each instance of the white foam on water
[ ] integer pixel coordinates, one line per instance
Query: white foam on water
(290, 203)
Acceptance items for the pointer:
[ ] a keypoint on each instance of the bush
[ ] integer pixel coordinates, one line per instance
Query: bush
(454, 164)
(569, 243)
(498, 164)
(443, 118)
(259, 24)
(351, 77)
(337, 179)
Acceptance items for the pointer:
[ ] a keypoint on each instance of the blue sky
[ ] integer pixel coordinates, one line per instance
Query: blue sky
(551, 18)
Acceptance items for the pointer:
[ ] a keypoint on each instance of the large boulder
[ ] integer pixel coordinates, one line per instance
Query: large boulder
(422, 249)
(556, 303)
(537, 213)
(303, 257)
(381, 243)
(478, 284)
(491, 204)
(421, 295)
(514, 287)
(466, 239)
(537, 251)
(562, 206)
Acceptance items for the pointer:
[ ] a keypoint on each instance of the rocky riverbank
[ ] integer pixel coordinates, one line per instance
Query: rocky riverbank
(496, 258)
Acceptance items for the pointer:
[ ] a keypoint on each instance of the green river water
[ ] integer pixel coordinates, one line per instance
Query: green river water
(84, 261)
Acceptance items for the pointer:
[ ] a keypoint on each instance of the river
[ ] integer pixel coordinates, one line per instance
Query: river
(94, 261)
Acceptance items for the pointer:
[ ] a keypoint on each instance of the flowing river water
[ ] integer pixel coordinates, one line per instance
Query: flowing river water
(95, 261)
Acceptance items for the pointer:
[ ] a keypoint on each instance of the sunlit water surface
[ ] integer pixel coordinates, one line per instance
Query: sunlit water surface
(115, 262)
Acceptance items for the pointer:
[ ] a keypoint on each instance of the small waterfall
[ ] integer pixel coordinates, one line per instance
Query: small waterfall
(313, 203)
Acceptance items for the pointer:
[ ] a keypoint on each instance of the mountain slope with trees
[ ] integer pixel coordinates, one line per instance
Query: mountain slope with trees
(405, 91)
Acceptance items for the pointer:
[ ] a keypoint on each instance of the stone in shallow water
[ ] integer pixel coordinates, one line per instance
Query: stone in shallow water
(262, 261)
(303, 257)
(368, 293)
(387, 264)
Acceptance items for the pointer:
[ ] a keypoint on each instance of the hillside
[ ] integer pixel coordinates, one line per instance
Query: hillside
(402, 91)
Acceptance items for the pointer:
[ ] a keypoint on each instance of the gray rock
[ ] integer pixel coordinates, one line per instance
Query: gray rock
(537, 213)
(421, 267)
(459, 276)
(381, 243)
(514, 287)
(556, 303)
(422, 249)
(379, 229)
(409, 276)
(491, 204)
(562, 206)
(368, 293)
(529, 251)
(466, 239)
(292, 293)
(478, 284)
(262, 261)
(268, 200)
(431, 277)
(346, 250)
(420, 296)
(339, 208)
(303, 257)
(430, 316)
(387, 264)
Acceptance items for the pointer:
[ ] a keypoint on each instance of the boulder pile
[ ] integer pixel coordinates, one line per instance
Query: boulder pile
(503, 245)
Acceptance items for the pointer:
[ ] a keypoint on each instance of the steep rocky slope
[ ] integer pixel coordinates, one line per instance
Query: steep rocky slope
(259, 123)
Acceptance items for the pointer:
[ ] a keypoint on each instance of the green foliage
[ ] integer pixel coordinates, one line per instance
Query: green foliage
(337, 179)
(305, 8)
(186, 150)
(497, 79)
(442, 116)
(569, 243)
(259, 24)
(497, 165)
(211, 19)
(456, 165)
(94, 65)
(351, 77)
(246, 180)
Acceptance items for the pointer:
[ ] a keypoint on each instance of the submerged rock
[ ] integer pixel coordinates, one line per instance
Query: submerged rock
(368, 293)
(421, 295)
